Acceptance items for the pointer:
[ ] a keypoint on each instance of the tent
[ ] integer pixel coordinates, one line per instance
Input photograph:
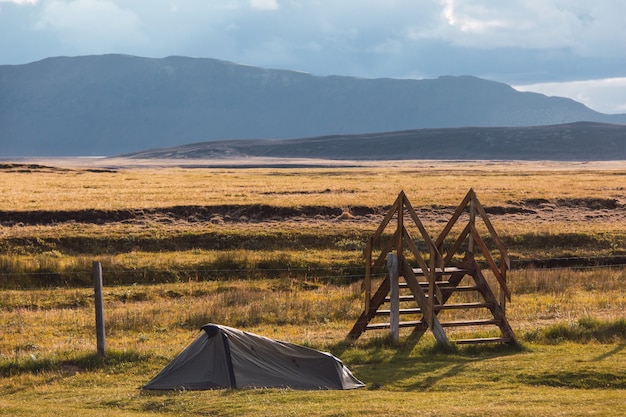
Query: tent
(223, 357)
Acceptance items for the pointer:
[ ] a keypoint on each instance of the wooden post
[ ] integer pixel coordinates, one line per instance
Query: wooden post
(97, 287)
(472, 220)
(394, 289)
(399, 244)
(503, 272)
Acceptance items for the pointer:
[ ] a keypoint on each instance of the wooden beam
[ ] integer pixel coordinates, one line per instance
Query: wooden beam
(429, 272)
(387, 218)
(457, 213)
(492, 232)
(394, 295)
(457, 244)
(494, 268)
(497, 311)
(429, 241)
(422, 302)
(377, 299)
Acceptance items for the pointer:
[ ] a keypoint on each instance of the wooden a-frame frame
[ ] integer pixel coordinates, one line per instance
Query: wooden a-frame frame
(426, 284)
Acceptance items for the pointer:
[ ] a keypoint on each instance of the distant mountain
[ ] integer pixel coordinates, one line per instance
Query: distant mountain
(581, 141)
(112, 104)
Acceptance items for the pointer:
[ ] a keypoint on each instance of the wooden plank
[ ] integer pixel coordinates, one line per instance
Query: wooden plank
(462, 323)
(414, 250)
(402, 298)
(457, 213)
(457, 244)
(387, 218)
(446, 271)
(401, 311)
(430, 276)
(377, 299)
(394, 295)
(446, 286)
(383, 326)
(494, 268)
(497, 310)
(422, 302)
(429, 241)
(494, 235)
(382, 258)
(484, 340)
(454, 279)
(462, 288)
(463, 306)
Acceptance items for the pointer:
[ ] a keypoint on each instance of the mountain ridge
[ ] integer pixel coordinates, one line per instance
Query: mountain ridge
(114, 104)
(579, 141)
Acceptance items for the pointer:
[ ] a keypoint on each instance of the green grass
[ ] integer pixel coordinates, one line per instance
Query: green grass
(563, 379)
(570, 362)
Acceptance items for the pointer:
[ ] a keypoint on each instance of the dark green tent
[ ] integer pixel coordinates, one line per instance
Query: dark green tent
(223, 357)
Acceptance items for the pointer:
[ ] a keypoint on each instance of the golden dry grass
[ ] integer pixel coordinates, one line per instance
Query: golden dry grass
(426, 184)
(148, 324)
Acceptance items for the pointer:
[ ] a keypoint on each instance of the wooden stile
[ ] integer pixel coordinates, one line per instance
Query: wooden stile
(430, 291)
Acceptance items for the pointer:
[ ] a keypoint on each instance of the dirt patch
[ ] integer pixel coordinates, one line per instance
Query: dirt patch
(27, 168)
(580, 203)
(31, 168)
(192, 214)
(587, 209)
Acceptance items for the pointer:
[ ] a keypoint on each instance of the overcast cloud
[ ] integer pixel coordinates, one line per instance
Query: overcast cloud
(572, 48)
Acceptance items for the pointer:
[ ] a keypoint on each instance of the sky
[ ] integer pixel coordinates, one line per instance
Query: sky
(569, 48)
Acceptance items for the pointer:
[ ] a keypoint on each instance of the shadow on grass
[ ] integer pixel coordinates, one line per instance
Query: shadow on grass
(580, 379)
(586, 329)
(610, 353)
(382, 362)
(114, 361)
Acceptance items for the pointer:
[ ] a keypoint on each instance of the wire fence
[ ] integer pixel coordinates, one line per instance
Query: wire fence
(339, 274)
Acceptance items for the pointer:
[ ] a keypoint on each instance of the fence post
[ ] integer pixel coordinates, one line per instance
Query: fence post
(99, 303)
(394, 287)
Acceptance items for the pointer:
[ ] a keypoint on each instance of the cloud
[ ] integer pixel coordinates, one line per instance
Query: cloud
(20, 1)
(518, 41)
(604, 95)
(586, 28)
(91, 26)
(264, 4)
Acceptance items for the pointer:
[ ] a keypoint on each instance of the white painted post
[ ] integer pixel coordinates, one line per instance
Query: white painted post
(97, 287)
(394, 315)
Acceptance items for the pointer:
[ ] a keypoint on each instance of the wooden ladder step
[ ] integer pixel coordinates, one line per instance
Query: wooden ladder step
(460, 323)
(402, 298)
(446, 271)
(382, 326)
(465, 288)
(444, 285)
(415, 310)
(484, 340)
(462, 306)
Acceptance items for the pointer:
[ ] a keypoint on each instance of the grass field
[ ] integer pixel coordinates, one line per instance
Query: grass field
(251, 263)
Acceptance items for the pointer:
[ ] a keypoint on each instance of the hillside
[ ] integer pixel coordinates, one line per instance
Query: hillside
(112, 104)
(582, 141)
